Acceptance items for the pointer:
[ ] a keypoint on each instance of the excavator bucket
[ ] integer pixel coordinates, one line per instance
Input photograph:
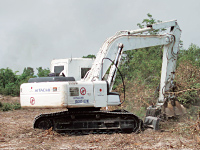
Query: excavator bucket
(154, 113)
(174, 109)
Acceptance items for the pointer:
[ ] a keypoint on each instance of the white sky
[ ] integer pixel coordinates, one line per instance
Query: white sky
(33, 32)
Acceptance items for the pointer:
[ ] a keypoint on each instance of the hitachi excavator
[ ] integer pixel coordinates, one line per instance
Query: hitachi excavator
(85, 98)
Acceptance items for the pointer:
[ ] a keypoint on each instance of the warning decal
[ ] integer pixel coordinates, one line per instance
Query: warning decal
(83, 91)
(32, 100)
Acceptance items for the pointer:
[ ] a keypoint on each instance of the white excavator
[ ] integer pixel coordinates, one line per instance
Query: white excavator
(84, 98)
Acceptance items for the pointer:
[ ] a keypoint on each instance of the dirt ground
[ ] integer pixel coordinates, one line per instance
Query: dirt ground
(16, 132)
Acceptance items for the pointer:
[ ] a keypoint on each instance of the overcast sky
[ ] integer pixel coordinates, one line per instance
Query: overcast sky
(33, 32)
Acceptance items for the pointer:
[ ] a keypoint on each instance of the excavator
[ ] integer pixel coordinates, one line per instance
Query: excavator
(84, 98)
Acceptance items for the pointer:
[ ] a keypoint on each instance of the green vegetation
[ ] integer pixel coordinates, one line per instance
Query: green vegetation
(143, 65)
(42, 72)
(89, 56)
(9, 106)
(10, 82)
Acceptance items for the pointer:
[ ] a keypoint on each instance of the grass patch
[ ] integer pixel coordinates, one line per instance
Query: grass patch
(9, 106)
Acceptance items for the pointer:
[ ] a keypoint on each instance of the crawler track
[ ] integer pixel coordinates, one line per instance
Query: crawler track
(87, 122)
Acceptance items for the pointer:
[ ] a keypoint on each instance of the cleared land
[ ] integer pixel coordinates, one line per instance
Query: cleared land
(16, 132)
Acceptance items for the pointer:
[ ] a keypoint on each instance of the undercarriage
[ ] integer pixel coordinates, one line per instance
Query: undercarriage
(87, 122)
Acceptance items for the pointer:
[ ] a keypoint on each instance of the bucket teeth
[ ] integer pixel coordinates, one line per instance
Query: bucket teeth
(181, 109)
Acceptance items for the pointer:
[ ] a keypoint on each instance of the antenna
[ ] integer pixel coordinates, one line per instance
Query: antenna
(71, 58)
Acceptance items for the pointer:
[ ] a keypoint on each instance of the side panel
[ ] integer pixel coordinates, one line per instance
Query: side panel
(100, 93)
(80, 94)
(43, 95)
(87, 94)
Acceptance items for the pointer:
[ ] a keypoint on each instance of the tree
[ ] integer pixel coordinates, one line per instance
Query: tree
(43, 72)
(27, 73)
(143, 64)
(8, 82)
(149, 21)
(6, 76)
(192, 54)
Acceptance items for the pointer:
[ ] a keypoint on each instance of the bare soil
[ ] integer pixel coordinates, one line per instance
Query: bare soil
(16, 132)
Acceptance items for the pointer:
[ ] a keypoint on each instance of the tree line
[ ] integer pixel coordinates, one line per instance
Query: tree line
(10, 82)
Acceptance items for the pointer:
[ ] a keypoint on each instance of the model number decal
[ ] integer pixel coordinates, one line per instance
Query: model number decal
(78, 98)
(82, 101)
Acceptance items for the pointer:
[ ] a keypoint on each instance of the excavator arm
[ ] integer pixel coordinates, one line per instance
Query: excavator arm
(131, 40)
(113, 48)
